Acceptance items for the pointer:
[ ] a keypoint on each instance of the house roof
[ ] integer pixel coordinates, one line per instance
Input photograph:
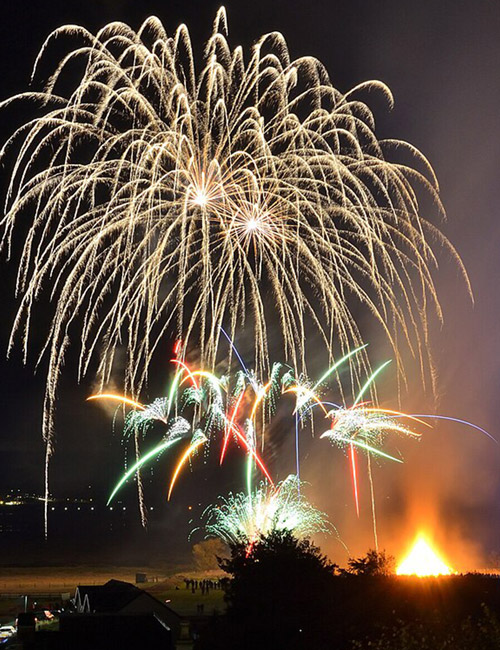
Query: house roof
(110, 597)
(113, 596)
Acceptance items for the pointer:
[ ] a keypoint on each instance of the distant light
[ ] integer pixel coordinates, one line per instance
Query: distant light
(65, 507)
(423, 561)
(92, 508)
(151, 508)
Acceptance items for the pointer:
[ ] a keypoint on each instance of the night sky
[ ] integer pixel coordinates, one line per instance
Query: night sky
(441, 61)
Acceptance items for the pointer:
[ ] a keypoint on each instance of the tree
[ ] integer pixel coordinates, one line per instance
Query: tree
(206, 554)
(276, 597)
(374, 563)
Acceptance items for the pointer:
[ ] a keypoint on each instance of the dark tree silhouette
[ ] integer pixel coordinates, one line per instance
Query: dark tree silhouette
(374, 563)
(284, 595)
(276, 595)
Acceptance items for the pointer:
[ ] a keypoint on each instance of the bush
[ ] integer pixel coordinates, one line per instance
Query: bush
(479, 634)
(374, 563)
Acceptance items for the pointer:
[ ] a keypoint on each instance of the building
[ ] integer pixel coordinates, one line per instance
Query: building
(117, 597)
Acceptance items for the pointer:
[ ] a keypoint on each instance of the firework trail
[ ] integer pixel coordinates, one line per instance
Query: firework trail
(202, 406)
(155, 452)
(228, 405)
(207, 406)
(365, 427)
(197, 440)
(211, 405)
(161, 199)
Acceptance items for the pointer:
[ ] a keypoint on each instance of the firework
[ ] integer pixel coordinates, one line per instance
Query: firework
(208, 405)
(164, 199)
(198, 439)
(364, 427)
(367, 427)
(202, 406)
(228, 405)
(245, 517)
(155, 452)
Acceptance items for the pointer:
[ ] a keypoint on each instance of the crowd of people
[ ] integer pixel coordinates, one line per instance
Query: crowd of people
(204, 585)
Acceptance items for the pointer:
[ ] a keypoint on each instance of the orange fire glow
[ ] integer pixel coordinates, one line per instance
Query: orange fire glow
(422, 561)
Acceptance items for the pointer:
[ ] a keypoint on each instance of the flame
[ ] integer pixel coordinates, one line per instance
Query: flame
(422, 560)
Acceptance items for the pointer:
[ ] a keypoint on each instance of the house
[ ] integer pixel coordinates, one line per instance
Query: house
(124, 598)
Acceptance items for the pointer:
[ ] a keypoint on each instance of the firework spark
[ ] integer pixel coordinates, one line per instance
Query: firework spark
(228, 406)
(207, 406)
(367, 427)
(202, 406)
(364, 427)
(210, 199)
(244, 518)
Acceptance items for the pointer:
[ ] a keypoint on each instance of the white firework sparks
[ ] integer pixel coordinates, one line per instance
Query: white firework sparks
(164, 199)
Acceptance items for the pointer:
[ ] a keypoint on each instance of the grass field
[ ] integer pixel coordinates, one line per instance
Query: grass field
(35, 580)
(186, 603)
(46, 584)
